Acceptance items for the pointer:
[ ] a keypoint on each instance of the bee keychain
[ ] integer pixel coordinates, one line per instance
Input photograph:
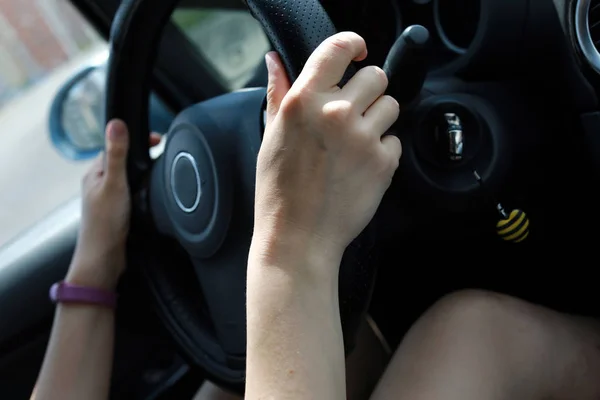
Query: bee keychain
(513, 227)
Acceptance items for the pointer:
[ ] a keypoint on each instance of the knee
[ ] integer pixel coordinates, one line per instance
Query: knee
(472, 301)
(480, 312)
(471, 326)
(470, 305)
(553, 350)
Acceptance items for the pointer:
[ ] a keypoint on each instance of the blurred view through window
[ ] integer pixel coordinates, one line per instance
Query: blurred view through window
(231, 41)
(43, 43)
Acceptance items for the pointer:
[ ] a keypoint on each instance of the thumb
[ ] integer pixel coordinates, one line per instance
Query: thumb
(117, 145)
(279, 84)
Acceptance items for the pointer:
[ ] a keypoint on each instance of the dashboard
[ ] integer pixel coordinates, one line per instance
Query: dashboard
(452, 23)
(487, 39)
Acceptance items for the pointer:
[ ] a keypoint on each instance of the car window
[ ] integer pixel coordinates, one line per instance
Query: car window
(42, 45)
(231, 41)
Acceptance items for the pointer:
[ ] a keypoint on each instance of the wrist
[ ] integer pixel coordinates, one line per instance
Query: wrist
(80, 278)
(97, 272)
(296, 253)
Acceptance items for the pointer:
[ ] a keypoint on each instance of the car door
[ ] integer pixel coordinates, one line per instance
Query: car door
(45, 45)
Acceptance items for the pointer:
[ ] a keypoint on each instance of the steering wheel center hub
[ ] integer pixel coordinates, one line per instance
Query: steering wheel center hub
(186, 185)
(195, 191)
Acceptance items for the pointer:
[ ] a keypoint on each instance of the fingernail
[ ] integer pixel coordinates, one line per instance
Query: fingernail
(116, 130)
(270, 60)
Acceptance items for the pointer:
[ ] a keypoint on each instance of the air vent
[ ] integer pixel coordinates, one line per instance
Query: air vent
(457, 22)
(594, 22)
(587, 29)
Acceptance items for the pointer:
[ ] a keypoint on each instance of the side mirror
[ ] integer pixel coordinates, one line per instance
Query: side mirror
(77, 115)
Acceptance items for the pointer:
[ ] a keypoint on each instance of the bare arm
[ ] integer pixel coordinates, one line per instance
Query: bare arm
(79, 357)
(322, 170)
(295, 344)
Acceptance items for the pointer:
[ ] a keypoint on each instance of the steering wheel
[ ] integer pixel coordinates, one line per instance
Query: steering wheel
(200, 193)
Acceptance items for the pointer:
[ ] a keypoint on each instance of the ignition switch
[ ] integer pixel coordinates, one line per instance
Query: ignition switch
(450, 138)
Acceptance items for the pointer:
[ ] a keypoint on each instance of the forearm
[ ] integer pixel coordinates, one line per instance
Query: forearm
(79, 356)
(295, 343)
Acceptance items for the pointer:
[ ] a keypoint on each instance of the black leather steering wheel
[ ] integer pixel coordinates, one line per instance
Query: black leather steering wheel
(200, 192)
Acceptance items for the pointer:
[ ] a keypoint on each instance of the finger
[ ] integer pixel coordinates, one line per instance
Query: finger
(96, 170)
(117, 144)
(365, 88)
(328, 63)
(382, 115)
(98, 165)
(393, 148)
(279, 84)
(155, 139)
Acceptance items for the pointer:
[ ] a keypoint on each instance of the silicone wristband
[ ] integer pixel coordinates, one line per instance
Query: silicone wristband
(62, 292)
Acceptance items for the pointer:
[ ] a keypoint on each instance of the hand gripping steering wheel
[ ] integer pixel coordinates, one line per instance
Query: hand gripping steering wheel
(193, 207)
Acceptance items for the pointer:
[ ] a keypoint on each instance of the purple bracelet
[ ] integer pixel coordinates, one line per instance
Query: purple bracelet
(62, 292)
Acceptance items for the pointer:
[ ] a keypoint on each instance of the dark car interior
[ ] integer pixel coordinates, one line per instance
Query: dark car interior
(500, 127)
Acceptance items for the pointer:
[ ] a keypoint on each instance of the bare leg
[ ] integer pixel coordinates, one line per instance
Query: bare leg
(486, 346)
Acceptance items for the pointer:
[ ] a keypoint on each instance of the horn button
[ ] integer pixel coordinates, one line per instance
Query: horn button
(186, 185)
(196, 196)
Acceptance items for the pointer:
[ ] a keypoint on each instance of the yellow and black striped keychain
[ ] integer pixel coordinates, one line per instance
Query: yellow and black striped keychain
(513, 226)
